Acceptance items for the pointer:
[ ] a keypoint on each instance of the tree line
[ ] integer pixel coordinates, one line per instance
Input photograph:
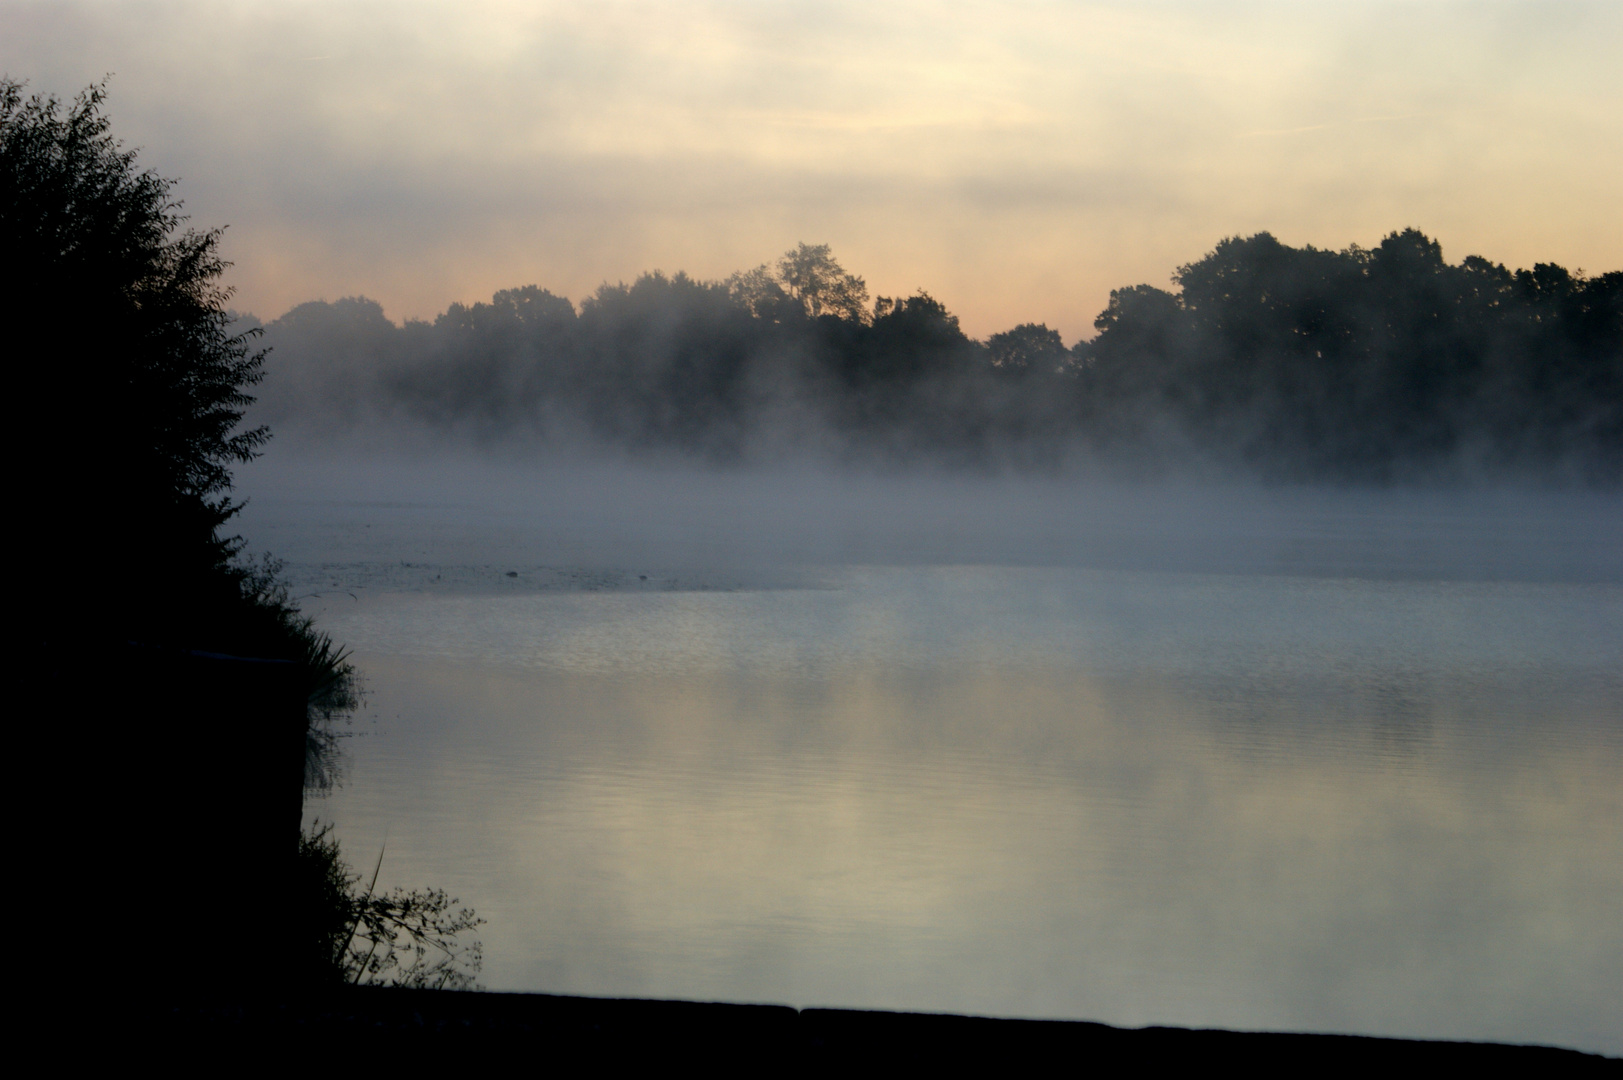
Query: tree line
(1357, 365)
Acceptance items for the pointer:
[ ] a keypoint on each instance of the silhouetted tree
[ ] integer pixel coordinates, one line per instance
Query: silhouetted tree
(135, 379)
(1366, 364)
(332, 357)
(1029, 347)
(761, 293)
(812, 275)
(666, 361)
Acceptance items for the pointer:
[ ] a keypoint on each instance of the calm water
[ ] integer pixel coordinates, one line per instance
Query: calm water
(1254, 795)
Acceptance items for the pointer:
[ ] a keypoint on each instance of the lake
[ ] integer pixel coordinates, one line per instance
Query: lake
(1252, 759)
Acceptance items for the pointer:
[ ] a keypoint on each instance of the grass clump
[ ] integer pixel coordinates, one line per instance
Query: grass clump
(357, 936)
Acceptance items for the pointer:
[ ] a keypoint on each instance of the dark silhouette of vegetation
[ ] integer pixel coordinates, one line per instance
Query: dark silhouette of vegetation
(1296, 363)
(362, 937)
(140, 382)
(1361, 363)
(142, 385)
(202, 672)
(807, 281)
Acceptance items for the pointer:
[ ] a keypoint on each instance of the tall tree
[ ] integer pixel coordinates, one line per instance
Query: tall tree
(135, 382)
(812, 275)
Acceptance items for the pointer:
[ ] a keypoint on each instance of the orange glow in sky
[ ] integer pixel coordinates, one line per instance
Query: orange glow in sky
(1018, 160)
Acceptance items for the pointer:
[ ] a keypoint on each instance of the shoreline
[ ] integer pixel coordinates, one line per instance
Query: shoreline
(387, 1022)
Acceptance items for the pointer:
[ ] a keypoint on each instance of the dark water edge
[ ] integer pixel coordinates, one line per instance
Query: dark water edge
(374, 1025)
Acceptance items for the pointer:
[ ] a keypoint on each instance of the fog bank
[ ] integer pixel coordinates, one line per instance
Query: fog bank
(691, 526)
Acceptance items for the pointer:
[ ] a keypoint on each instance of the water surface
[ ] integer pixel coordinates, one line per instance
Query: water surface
(1268, 796)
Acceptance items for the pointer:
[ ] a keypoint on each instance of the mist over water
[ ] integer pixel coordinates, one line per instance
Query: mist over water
(477, 512)
(1262, 757)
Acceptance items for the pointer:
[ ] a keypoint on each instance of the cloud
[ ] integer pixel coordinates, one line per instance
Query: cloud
(1019, 159)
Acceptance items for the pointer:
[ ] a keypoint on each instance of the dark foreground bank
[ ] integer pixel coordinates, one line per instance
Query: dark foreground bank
(374, 1024)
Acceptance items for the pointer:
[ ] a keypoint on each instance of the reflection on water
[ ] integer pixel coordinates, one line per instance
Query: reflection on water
(1294, 803)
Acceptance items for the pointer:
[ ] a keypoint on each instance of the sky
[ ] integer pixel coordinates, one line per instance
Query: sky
(1017, 160)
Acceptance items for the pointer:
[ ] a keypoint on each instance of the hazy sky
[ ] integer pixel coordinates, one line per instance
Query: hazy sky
(1016, 159)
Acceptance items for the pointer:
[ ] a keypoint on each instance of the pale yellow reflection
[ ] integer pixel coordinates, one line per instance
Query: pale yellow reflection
(1047, 843)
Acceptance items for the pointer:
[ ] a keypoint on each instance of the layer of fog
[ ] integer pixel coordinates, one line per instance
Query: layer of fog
(491, 521)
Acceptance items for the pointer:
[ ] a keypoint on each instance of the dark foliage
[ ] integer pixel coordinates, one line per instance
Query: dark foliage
(1367, 364)
(136, 384)
(356, 935)
(1293, 362)
(139, 383)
